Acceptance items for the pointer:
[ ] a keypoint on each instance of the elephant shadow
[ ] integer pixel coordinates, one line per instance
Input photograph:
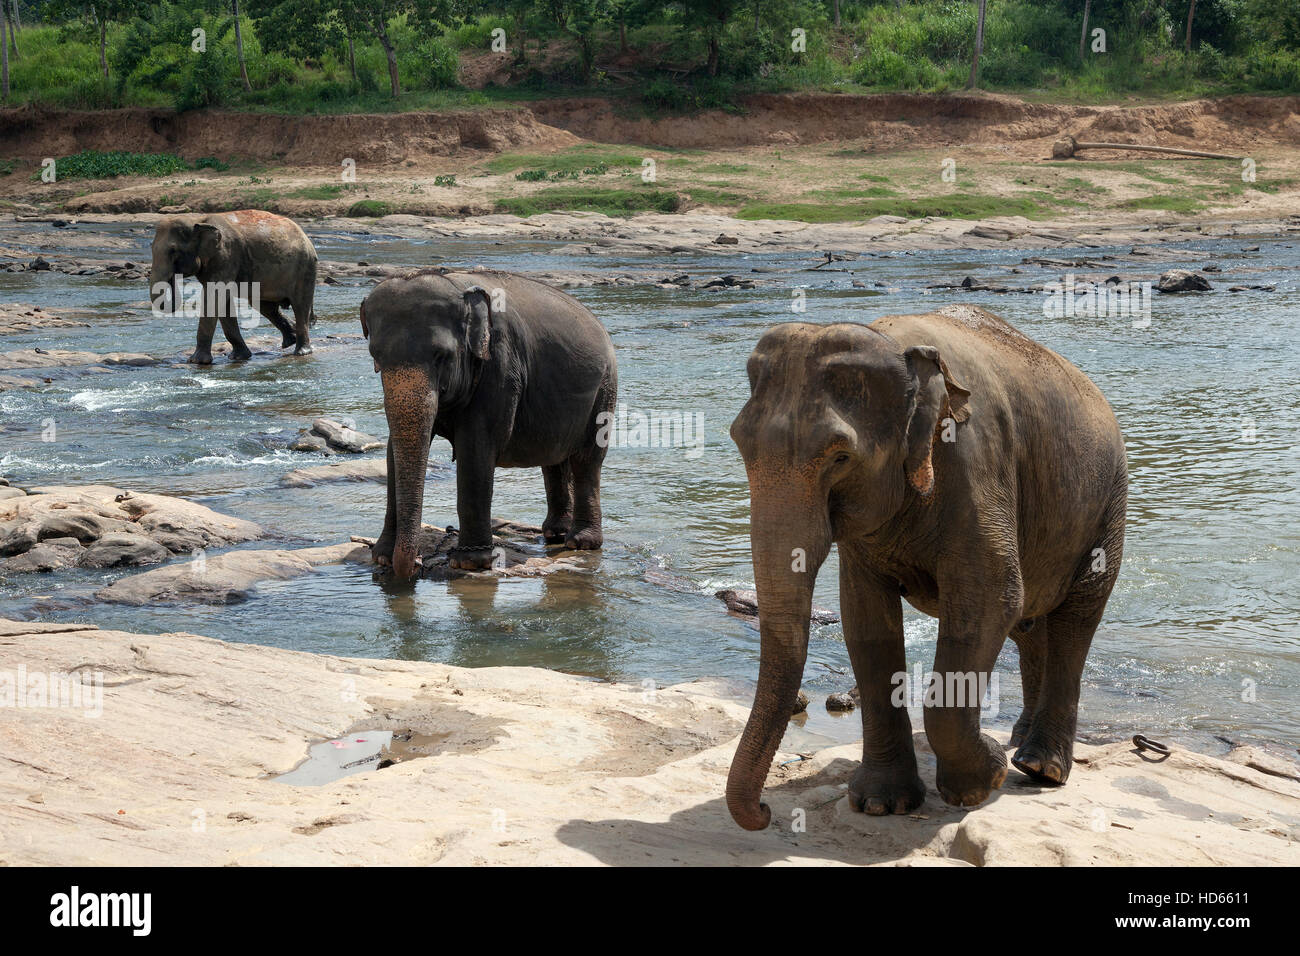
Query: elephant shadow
(705, 835)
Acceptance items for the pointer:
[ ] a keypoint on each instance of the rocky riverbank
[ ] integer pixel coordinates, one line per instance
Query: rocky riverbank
(176, 763)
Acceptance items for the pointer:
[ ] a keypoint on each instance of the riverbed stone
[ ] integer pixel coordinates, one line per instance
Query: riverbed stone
(91, 513)
(743, 602)
(342, 437)
(596, 773)
(120, 549)
(1183, 280)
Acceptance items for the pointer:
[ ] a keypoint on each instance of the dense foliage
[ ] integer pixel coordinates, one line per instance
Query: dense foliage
(336, 55)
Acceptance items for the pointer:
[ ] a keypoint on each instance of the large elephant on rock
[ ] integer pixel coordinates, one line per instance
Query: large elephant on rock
(957, 464)
(514, 374)
(256, 255)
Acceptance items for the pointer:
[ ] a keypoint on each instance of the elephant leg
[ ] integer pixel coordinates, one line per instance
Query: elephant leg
(203, 347)
(1031, 643)
(302, 302)
(475, 473)
(886, 781)
(239, 351)
(586, 534)
(271, 311)
(559, 503)
(1046, 751)
(975, 617)
(382, 550)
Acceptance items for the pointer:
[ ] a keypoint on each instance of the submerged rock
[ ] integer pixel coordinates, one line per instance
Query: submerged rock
(743, 602)
(344, 438)
(1182, 280)
(840, 702)
(226, 578)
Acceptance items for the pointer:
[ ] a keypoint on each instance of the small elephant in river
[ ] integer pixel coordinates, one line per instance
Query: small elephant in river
(513, 373)
(958, 465)
(258, 256)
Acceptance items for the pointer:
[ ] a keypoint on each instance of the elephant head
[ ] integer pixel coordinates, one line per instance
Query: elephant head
(429, 341)
(837, 433)
(181, 246)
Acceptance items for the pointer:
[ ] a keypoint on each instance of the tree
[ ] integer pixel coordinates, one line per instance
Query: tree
(426, 17)
(1083, 34)
(1191, 12)
(98, 13)
(979, 47)
(239, 48)
(711, 17)
(4, 60)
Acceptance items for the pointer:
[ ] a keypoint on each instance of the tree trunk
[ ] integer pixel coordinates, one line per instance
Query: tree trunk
(11, 13)
(391, 54)
(239, 49)
(4, 61)
(1083, 34)
(352, 56)
(979, 48)
(103, 45)
(1191, 12)
(622, 37)
(837, 14)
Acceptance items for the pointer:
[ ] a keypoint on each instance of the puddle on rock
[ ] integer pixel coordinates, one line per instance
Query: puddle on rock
(358, 752)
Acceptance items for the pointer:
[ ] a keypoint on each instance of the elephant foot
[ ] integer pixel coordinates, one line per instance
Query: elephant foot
(1021, 730)
(585, 539)
(556, 530)
(240, 355)
(200, 357)
(970, 784)
(470, 559)
(381, 552)
(1043, 762)
(287, 339)
(303, 350)
(879, 789)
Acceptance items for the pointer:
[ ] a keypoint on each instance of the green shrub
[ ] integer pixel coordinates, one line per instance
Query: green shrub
(92, 164)
(369, 208)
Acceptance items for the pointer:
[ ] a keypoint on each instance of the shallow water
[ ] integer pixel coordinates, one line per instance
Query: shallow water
(1207, 599)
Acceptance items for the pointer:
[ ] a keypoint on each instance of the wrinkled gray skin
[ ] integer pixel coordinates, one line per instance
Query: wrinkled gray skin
(242, 247)
(957, 464)
(513, 385)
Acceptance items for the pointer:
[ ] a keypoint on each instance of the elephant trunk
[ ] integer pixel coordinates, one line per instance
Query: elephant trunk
(789, 545)
(163, 293)
(411, 405)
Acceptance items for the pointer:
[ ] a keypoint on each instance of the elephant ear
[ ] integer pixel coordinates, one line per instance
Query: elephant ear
(938, 396)
(478, 321)
(208, 242)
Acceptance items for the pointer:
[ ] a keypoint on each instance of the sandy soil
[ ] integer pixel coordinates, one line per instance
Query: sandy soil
(818, 149)
(527, 766)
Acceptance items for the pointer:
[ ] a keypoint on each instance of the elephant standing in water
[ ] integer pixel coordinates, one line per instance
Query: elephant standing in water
(513, 373)
(962, 466)
(262, 257)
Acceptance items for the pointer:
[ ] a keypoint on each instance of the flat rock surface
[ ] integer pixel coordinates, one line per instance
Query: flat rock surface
(24, 317)
(226, 578)
(114, 526)
(176, 765)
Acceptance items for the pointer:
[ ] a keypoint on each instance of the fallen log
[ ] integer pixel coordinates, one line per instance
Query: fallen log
(1067, 147)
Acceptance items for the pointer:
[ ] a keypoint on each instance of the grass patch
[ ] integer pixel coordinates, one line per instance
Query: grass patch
(93, 164)
(849, 192)
(1180, 204)
(578, 160)
(323, 191)
(956, 206)
(372, 208)
(724, 168)
(611, 202)
(715, 197)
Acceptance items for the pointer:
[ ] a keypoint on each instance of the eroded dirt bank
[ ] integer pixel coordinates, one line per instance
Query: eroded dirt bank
(521, 765)
(380, 139)
(889, 121)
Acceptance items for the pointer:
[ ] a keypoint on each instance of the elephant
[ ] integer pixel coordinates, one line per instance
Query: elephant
(957, 464)
(512, 372)
(257, 252)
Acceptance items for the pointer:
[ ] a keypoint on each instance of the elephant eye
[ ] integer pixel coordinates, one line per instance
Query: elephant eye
(841, 458)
